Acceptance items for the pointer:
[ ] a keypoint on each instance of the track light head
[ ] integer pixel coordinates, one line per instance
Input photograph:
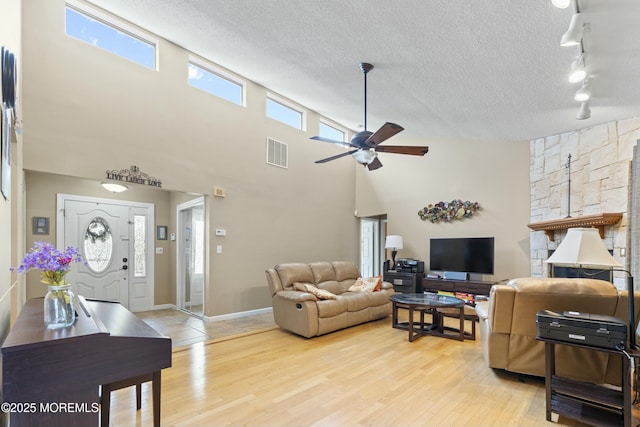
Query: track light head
(584, 112)
(573, 36)
(578, 72)
(561, 4)
(584, 93)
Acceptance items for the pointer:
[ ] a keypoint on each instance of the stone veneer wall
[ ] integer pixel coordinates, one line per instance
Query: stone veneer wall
(600, 182)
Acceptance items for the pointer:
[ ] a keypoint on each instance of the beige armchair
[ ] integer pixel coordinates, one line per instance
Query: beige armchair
(508, 326)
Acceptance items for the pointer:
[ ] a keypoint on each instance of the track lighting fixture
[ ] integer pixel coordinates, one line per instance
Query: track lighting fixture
(584, 93)
(585, 111)
(578, 72)
(561, 4)
(573, 36)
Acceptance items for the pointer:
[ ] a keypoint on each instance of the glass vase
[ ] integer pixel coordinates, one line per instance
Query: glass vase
(58, 307)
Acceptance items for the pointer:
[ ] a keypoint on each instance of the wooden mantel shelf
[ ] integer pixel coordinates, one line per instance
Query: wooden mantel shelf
(598, 221)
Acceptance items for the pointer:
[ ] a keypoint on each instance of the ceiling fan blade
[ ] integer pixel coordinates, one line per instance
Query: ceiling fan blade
(333, 141)
(403, 149)
(328, 159)
(385, 132)
(375, 164)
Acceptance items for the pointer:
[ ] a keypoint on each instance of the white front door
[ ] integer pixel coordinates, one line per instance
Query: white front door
(113, 238)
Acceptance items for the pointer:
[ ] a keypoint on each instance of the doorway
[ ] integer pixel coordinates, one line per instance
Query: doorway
(114, 238)
(191, 256)
(372, 253)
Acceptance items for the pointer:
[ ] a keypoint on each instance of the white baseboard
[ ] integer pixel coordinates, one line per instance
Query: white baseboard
(238, 314)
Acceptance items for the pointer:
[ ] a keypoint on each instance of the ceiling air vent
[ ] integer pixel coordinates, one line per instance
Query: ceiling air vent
(277, 153)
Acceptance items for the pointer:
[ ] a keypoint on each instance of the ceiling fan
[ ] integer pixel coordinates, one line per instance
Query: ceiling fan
(367, 144)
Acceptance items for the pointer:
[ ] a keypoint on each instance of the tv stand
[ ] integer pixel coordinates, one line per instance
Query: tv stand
(474, 287)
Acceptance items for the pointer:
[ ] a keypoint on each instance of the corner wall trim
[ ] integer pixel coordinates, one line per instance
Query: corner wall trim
(237, 315)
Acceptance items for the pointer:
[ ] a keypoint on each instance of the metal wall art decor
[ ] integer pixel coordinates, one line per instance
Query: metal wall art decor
(448, 211)
(133, 175)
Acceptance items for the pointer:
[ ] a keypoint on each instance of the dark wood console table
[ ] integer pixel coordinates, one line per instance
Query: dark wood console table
(53, 377)
(588, 403)
(474, 287)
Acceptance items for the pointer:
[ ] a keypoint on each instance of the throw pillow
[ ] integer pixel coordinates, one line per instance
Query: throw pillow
(319, 293)
(370, 284)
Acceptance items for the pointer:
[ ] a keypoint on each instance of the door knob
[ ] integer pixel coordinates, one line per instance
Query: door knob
(125, 267)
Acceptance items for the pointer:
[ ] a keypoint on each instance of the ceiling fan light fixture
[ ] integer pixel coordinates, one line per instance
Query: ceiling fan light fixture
(584, 93)
(584, 112)
(573, 36)
(364, 157)
(561, 4)
(578, 72)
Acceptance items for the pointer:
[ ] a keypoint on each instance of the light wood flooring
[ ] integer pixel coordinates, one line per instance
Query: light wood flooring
(367, 375)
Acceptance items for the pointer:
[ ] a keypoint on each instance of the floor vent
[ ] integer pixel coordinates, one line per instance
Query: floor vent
(277, 153)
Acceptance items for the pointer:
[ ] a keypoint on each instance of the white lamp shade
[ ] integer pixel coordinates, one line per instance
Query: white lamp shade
(583, 246)
(365, 157)
(393, 242)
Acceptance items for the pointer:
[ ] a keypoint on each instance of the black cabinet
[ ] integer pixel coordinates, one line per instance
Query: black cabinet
(406, 283)
(464, 286)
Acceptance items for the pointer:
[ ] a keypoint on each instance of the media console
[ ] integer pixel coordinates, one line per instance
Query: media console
(474, 287)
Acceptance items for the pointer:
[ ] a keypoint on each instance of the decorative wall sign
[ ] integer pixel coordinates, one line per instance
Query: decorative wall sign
(448, 211)
(135, 176)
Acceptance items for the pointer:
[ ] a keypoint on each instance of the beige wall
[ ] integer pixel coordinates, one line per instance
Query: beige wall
(492, 173)
(11, 212)
(42, 189)
(87, 111)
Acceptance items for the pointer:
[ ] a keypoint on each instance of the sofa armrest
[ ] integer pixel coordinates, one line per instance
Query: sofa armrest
(501, 302)
(386, 285)
(296, 296)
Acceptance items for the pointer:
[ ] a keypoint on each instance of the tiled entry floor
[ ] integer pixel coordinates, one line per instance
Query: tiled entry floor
(184, 329)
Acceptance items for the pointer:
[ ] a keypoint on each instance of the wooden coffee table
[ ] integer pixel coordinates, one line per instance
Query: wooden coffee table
(427, 303)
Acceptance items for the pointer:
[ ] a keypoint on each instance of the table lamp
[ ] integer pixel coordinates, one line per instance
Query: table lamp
(584, 247)
(394, 243)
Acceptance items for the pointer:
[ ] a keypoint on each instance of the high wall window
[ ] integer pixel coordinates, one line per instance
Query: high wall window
(285, 112)
(216, 82)
(101, 30)
(331, 132)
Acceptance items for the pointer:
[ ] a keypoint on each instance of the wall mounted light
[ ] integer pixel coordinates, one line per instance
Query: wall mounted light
(584, 112)
(584, 93)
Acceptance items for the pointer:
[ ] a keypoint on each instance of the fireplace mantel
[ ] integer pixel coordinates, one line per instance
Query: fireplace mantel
(598, 221)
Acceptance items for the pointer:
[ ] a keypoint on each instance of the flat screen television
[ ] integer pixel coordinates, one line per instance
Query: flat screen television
(462, 254)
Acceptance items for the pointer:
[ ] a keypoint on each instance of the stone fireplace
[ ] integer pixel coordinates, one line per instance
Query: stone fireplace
(600, 173)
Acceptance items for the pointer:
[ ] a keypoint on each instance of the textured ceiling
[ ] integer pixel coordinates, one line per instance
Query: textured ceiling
(471, 69)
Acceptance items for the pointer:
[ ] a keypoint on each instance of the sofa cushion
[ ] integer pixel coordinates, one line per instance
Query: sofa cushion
(357, 301)
(330, 308)
(370, 284)
(332, 286)
(318, 293)
(322, 272)
(290, 273)
(345, 270)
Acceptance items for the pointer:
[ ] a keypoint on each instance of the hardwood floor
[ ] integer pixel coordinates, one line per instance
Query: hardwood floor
(368, 375)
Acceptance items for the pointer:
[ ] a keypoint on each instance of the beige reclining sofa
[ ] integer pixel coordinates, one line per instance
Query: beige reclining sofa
(508, 326)
(305, 314)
